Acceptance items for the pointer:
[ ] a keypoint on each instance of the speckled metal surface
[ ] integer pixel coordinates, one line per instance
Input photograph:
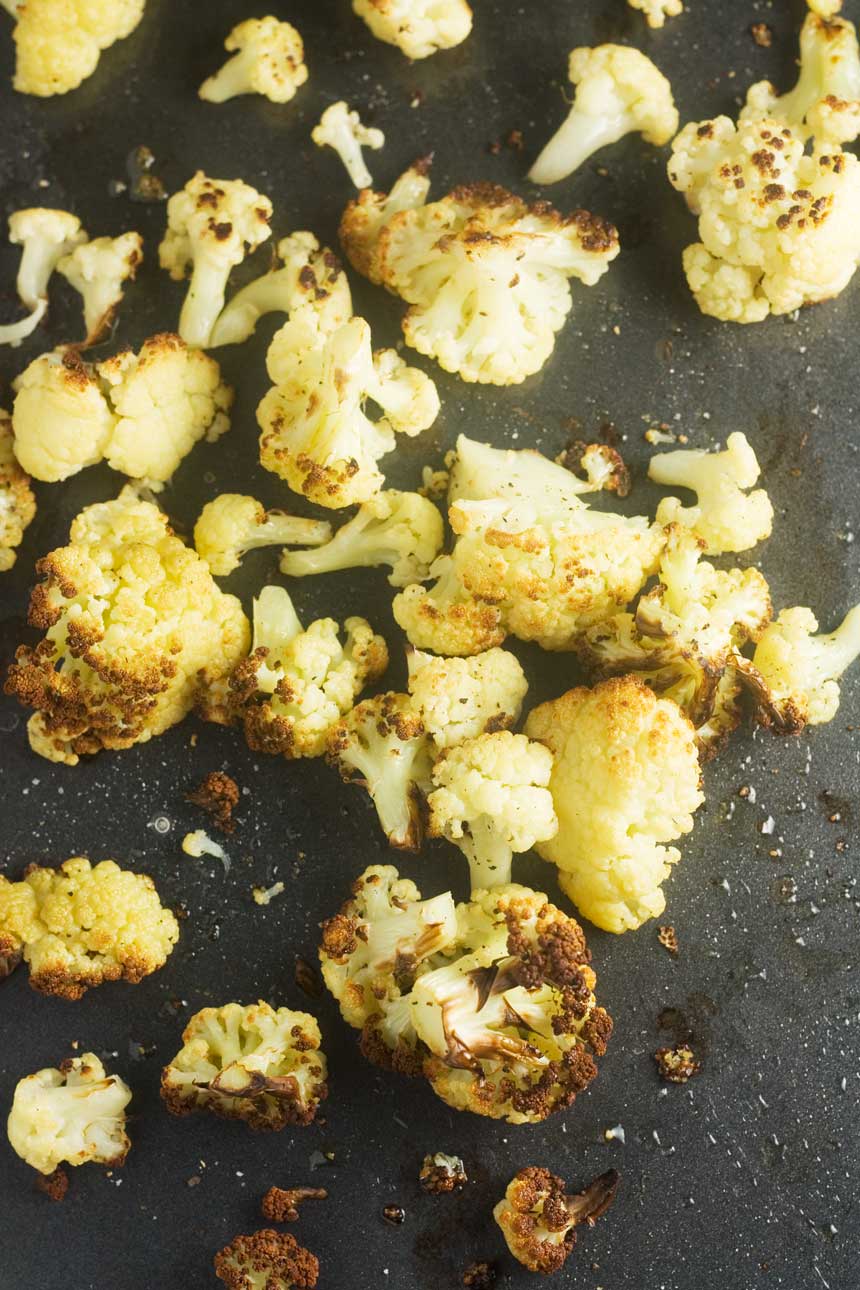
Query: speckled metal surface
(747, 1177)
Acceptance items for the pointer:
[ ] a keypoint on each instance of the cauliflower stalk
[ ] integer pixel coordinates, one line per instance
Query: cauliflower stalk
(44, 236)
(97, 270)
(234, 524)
(17, 502)
(59, 45)
(417, 27)
(341, 129)
(539, 1221)
(268, 59)
(727, 515)
(619, 91)
(266, 1260)
(74, 1115)
(657, 11)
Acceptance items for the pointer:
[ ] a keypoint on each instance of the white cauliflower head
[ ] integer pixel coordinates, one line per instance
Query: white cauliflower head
(657, 11)
(268, 58)
(233, 524)
(45, 236)
(727, 515)
(461, 698)
(417, 27)
(59, 45)
(74, 1115)
(61, 418)
(17, 502)
(341, 129)
(98, 270)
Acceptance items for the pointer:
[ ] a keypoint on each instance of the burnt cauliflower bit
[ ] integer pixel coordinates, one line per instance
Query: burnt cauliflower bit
(440, 1174)
(267, 1260)
(218, 795)
(677, 1065)
(281, 1204)
(539, 1221)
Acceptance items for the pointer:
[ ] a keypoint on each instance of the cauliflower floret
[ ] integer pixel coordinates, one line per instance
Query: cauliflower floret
(248, 1063)
(341, 129)
(491, 799)
(78, 926)
(61, 419)
(74, 1115)
(98, 270)
(417, 27)
(618, 91)
(269, 60)
(234, 524)
(133, 621)
(367, 215)
(59, 42)
(657, 11)
(402, 530)
(539, 1221)
(461, 698)
(316, 433)
(446, 618)
(779, 227)
(267, 1260)
(485, 275)
(727, 517)
(211, 225)
(45, 236)
(15, 333)
(17, 502)
(626, 780)
(297, 682)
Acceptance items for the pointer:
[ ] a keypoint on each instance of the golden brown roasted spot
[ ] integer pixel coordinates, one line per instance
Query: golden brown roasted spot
(267, 1260)
(218, 795)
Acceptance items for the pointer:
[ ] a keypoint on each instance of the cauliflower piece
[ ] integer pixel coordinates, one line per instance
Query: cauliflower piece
(727, 517)
(98, 270)
(485, 275)
(461, 698)
(779, 226)
(59, 44)
(539, 1221)
(626, 780)
(233, 524)
(618, 91)
(794, 673)
(254, 1063)
(297, 682)
(382, 746)
(446, 618)
(316, 433)
(402, 530)
(61, 419)
(267, 1260)
(133, 625)
(417, 27)
(198, 844)
(16, 333)
(17, 502)
(79, 926)
(657, 11)
(45, 236)
(211, 225)
(367, 215)
(268, 59)
(74, 1115)
(341, 129)
(491, 800)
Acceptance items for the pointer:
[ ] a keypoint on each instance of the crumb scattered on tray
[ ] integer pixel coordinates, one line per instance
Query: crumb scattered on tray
(762, 34)
(218, 795)
(480, 1276)
(54, 1185)
(394, 1214)
(668, 938)
(265, 895)
(677, 1065)
(441, 1173)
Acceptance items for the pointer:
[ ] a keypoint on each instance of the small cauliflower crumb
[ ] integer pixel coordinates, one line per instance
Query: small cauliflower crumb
(677, 1065)
(198, 843)
(265, 895)
(341, 129)
(657, 11)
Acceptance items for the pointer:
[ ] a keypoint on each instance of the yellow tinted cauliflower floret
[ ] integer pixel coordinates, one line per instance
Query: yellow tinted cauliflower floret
(97, 270)
(657, 11)
(61, 418)
(461, 698)
(233, 524)
(133, 621)
(79, 925)
(254, 1063)
(17, 502)
(59, 42)
(618, 91)
(74, 1115)
(727, 516)
(268, 58)
(367, 215)
(539, 1221)
(266, 1260)
(342, 130)
(626, 780)
(417, 27)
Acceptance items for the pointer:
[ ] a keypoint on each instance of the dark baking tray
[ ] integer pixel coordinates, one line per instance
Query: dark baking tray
(747, 1177)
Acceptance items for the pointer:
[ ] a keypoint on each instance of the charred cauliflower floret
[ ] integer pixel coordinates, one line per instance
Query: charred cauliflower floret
(254, 1063)
(98, 270)
(74, 1115)
(211, 225)
(342, 130)
(461, 698)
(268, 59)
(267, 1260)
(233, 524)
(779, 225)
(618, 91)
(417, 27)
(17, 502)
(485, 275)
(59, 45)
(490, 798)
(368, 214)
(626, 780)
(133, 620)
(79, 926)
(657, 11)
(727, 515)
(539, 1221)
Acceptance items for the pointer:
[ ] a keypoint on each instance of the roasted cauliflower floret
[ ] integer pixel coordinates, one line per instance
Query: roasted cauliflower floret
(74, 1115)
(539, 1221)
(727, 516)
(402, 530)
(446, 618)
(61, 419)
(233, 524)
(45, 237)
(417, 27)
(98, 270)
(618, 91)
(211, 225)
(79, 925)
(268, 58)
(461, 698)
(342, 130)
(368, 214)
(626, 780)
(485, 275)
(267, 1260)
(59, 44)
(17, 502)
(657, 11)
(133, 620)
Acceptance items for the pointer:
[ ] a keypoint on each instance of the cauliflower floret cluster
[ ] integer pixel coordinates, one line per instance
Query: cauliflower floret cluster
(17, 502)
(462, 698)
(485, 275)
(618, 91)
(256, 1063)
(97, 270)
(657, 11)
(233, 524)
(79, 925)
(626, 780)
(59, 45)
(493, 1002)
(266, 1260)
(342, 130)
(268, 58)
(539, 1221)
(727, 516)
(417, 27)
(133, 623)
(74, 1115)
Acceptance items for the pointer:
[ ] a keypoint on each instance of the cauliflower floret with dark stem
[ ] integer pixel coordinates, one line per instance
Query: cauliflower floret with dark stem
(618, 91)
(79, 926)
(342, 130)
(74, 1115)
(97, 270)
(256, 1063)
(539, 1221)
(267, 1260)
(626, 781)
(461, 698)
(17, 501)
(657, 11)
(133, 622)
(59, 45)
(417, 27)
(268, 59)
(727, 515)
(233, 524)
